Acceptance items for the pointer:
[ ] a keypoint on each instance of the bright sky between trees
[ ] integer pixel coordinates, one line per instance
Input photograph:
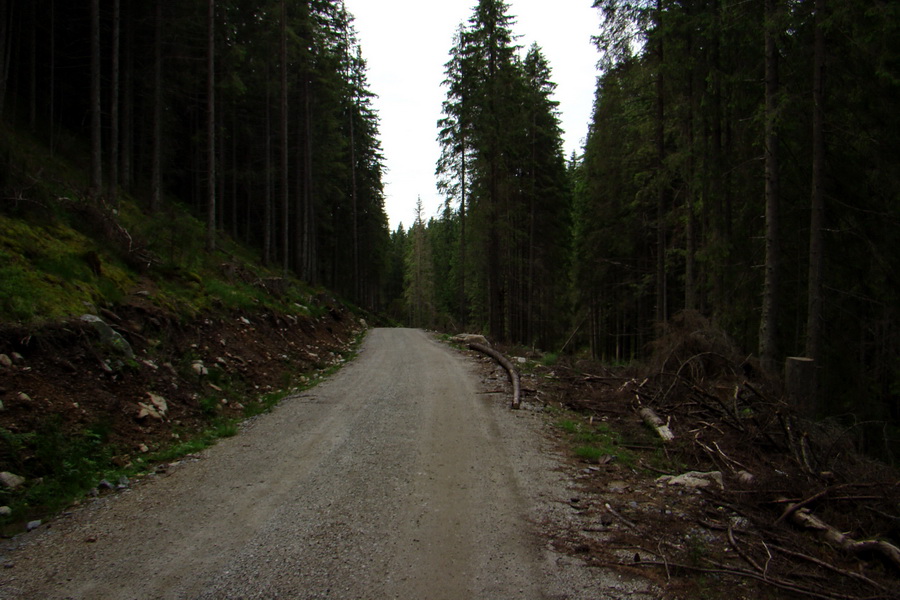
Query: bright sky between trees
(406, 44)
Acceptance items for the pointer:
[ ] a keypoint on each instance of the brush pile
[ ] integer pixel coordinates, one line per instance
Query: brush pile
(782, 502)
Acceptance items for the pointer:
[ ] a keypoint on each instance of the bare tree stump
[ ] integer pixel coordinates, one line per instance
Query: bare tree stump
(800, 381)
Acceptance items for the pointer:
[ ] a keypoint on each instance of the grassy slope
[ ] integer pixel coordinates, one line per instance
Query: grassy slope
(62, 256)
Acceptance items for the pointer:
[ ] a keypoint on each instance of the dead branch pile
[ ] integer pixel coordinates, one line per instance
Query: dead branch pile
(815, 518)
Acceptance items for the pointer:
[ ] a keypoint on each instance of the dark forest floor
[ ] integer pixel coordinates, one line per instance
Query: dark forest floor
(753, 530)
(75, 408)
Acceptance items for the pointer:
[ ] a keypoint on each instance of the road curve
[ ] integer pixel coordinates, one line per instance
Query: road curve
(396, 478)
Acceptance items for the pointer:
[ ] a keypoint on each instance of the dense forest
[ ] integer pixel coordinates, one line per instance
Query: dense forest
(256, 115)
(740, 164)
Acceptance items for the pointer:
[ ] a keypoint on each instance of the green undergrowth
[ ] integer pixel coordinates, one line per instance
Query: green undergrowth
(49, 271)
(596, 441)
(62, 254)
(593, 441)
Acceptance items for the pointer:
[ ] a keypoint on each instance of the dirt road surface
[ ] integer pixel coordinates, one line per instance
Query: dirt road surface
(396, 478)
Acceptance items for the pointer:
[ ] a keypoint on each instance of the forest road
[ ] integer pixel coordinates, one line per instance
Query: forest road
(396, 478)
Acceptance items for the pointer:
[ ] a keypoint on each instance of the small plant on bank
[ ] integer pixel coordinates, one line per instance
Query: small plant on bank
(550, 359)
(592, 441)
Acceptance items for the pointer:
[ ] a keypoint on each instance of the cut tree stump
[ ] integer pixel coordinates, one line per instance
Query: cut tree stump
(800, 381)
(506, 364)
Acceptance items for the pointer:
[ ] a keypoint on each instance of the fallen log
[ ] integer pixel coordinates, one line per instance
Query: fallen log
(510, 370)
(652, 420)
(803, 518)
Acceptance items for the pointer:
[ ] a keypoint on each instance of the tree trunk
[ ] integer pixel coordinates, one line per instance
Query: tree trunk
(51, 75)
(5, 37)
(96, 131)
(310, 259)
(463, 312)
(770, 306)
(127, 123)
(211, 127)
(661, 309)
(817, 216)
(267, 183)
(357, 291)
(691, 233)
(285, 178)
(114, 107)
(32, 76)
(156, 159)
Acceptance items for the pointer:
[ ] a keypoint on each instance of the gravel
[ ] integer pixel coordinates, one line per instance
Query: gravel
(396, 478)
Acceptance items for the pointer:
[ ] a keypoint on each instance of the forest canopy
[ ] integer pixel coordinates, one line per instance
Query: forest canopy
(740, 164)
(257, 115)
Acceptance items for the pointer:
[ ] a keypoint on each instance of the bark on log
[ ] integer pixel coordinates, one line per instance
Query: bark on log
(506, 364)
(804, 518)
(653, 420)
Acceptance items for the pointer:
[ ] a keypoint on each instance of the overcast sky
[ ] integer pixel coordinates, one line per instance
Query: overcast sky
(406, 44)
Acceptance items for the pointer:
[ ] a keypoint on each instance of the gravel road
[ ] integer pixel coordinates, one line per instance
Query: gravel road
(396, 478)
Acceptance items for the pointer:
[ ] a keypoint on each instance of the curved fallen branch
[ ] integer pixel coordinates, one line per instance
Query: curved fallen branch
(803, 518)
(510, 370)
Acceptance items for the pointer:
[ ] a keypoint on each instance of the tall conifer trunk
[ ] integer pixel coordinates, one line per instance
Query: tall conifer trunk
(156, 158)
(354, 200)
(211, 127)
(125, 147)
(285, 177)
(5, 37)
(32, 78)
(817, 213)
(96, 130)
(463, 304)
(661, 311)
(267, 182)
(771, 309)
(51, 75)
(114, 107)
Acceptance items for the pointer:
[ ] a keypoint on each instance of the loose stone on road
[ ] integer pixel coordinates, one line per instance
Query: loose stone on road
(393, 479)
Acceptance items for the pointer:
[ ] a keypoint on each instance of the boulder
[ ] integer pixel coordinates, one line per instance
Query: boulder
(199, 369)
(693, 479)
(145, 410)
(5, 361)
(11, 480)
(159, 402)
(109, 336)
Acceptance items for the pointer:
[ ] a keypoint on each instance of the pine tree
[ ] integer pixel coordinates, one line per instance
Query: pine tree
(419, 274)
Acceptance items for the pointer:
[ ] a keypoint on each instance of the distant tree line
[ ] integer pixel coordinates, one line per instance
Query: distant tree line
(500, 248)
(741, 162)
(256, 114)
